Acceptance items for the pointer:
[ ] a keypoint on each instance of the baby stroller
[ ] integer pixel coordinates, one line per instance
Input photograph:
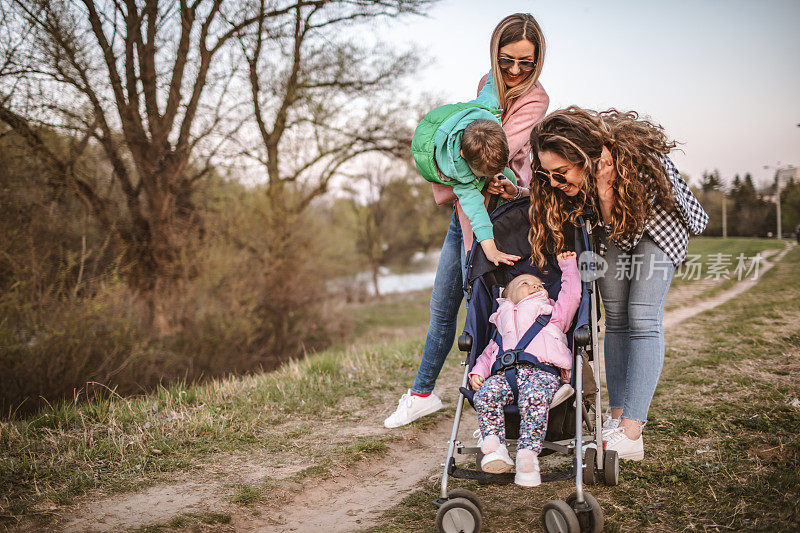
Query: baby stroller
(459, 509)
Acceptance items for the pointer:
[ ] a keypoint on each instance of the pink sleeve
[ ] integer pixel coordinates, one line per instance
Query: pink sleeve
(482, 82)
(569, 297)
(483, 366)
(522, 115)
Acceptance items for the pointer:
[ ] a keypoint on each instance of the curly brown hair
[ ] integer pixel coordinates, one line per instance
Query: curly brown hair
(579, 135)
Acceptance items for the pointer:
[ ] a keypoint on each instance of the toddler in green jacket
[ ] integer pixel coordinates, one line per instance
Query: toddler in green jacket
(464, 145)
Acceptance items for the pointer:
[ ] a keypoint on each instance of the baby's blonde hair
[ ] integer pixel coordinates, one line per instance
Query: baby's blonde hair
(504, 293)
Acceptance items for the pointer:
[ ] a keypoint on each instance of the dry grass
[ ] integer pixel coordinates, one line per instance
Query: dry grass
(109, 443)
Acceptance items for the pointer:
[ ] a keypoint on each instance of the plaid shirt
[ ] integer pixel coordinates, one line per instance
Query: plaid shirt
(668, 229)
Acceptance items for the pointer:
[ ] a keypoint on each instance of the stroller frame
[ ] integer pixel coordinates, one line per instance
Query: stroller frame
(460, 510)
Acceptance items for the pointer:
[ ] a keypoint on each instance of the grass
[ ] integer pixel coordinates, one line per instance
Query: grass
(723, 252)
(111, 444)
(723, 441)
(393, 312)
(718, 265)
(188, 521)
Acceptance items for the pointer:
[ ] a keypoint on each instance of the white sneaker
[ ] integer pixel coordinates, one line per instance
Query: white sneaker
(527, 469)
(562, 394)
(477, 435)
(632, 450)
(498, 461)
(610, 424)
(410, 407)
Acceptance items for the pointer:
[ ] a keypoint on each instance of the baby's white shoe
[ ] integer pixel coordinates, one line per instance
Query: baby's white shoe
(496, 459)
(562, 394)
(527, 469)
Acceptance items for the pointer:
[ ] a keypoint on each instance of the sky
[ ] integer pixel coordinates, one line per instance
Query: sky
(722, 77)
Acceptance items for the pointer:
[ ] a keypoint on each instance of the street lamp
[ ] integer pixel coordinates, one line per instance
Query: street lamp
(777, 194)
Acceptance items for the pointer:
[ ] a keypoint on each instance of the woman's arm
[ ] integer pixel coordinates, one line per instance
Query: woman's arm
(525, 112)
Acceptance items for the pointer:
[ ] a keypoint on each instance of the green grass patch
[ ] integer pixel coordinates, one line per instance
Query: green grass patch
(188, 521)
(247, 495)
(717, 258)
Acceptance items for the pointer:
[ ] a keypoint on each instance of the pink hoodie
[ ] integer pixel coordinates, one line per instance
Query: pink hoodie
(519, 117)
(513, 321)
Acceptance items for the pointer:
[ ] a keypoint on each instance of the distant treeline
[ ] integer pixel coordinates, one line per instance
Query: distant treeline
(750, 212)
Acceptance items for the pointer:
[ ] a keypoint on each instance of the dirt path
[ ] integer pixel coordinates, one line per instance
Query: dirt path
(355, 499)
(348, 500)
(352, 499)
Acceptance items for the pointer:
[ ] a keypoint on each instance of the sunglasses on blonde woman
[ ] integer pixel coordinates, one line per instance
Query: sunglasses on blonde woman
(524, 65)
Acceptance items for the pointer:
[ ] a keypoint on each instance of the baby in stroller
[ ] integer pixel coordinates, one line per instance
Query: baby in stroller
(522, 303)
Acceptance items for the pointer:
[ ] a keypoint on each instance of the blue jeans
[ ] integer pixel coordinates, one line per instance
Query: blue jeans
(634, 291)
(446, 297)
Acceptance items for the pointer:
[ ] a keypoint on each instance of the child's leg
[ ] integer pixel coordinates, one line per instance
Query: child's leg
(536, 391)
(490, 399)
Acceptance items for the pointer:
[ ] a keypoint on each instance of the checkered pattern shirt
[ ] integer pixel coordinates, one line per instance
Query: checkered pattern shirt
(669, 229)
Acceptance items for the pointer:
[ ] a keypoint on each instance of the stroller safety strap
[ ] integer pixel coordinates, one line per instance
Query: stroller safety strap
(507, 360)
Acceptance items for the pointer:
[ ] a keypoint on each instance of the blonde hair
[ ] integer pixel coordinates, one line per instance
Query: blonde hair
(513, 28)
(485, 146)
(579, 135)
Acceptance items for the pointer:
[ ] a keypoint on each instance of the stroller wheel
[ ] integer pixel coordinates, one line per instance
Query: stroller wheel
(590, 466)
(458, 515)
(558, 517)
(591, 521)
(467, 495)
(611, 468)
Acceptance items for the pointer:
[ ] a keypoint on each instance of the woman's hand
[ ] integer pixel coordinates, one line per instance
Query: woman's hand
(476, 381)
(566, 255)
(496, 256)
(503, 187)
(605, 176)
(606, 173)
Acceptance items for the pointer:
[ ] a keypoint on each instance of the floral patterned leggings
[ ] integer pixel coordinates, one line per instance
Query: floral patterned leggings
(536, 391)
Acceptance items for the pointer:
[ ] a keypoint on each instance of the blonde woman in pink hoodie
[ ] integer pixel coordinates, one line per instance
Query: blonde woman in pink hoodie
(517, 54)
(521, 304)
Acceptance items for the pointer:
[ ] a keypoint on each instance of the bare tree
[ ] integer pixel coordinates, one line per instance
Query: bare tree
(324, 92)
(144, 81)
(153, 86)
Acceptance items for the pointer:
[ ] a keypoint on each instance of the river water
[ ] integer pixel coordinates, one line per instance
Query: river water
(418, 278)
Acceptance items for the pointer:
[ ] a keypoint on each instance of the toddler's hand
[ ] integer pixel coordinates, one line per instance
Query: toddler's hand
(566, 255)
(496, 256)
(476, 381)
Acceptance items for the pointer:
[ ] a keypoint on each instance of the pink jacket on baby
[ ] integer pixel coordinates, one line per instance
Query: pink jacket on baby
(513, 321)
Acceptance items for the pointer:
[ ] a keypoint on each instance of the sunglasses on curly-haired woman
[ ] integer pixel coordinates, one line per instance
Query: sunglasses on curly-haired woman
(546, 176)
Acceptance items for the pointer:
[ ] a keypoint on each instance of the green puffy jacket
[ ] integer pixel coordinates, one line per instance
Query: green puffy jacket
(436, 147)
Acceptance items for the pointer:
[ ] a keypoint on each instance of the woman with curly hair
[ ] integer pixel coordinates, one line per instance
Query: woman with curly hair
(616, 164)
